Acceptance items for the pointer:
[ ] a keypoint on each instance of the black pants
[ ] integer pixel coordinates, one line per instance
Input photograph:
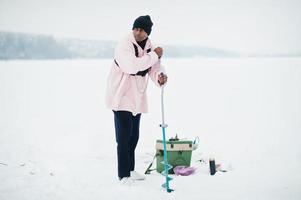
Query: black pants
(127, 136)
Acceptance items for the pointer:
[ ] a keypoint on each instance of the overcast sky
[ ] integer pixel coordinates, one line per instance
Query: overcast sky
(241, 25)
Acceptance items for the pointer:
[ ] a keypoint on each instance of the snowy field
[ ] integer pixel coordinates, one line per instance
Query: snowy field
(57, 138)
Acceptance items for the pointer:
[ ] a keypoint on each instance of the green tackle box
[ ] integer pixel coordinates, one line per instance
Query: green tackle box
(178, 153)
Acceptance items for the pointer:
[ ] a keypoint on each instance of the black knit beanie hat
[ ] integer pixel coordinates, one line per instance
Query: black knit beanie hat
(145, 23)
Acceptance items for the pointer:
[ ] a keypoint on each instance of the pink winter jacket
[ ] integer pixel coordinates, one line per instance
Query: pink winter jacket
(124, 91)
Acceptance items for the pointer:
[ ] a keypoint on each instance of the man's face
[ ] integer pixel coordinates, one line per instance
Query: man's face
(139, 34)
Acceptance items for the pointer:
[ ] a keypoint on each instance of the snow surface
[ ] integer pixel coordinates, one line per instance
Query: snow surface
(57, 138)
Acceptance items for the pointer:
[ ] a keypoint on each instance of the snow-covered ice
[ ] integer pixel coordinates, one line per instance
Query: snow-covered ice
(57, 138)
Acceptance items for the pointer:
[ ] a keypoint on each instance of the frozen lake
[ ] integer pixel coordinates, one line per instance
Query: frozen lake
(57, 138)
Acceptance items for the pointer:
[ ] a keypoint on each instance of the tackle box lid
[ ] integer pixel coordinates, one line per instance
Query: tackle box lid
(175, 145)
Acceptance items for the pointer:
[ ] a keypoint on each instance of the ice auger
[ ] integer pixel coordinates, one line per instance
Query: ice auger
(167, 166)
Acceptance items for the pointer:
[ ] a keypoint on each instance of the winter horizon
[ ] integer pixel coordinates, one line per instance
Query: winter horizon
(244, 27)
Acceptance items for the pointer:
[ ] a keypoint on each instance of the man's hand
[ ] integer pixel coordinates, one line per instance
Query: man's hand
(158, 51)
(162, 79)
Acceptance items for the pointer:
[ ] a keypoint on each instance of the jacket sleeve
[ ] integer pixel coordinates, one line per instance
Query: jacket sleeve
(155, 71)
(129, 63)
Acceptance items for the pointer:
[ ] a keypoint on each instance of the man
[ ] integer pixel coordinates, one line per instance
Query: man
(135, 60)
